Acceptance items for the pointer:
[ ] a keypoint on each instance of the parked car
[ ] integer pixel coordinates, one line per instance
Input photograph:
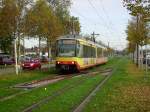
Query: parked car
(44, 59)
(6, 60)
(24, 58)
(146, 57)
(31, 64)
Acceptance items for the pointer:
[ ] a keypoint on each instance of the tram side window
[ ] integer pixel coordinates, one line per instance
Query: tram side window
(79, 50)
(86, 51)
(93, 51)
(105, 52)
(89, 51)
(99, 52)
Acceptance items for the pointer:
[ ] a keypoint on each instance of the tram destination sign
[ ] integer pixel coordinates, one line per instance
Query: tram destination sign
(69, 41)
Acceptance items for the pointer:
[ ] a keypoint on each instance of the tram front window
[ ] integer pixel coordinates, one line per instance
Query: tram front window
(66, 48)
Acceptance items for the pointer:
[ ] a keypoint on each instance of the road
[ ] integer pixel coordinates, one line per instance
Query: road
(9, 70)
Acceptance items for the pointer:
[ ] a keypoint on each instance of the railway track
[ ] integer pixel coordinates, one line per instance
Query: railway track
(64, 89)
(28, 86)
(58, 92)
(55, 94)
(80, 107)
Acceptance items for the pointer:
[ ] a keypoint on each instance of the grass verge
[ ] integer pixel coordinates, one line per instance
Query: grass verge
(6, 81)
(20, 102)
(70, 99)
(128, 90)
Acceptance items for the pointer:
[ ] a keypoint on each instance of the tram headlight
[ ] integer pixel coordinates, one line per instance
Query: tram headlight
(73, 62)
(58, 62)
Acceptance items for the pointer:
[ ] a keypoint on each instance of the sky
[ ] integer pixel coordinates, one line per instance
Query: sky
(105, 17)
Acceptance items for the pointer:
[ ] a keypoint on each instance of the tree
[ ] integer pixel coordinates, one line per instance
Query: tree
(22, 8)
(61, 10)
(137, 30)
(140, 10)
(8, 21)
(138, 7)
(74, 25)
(70, 24)
(64, 16)
(11, 18)
(131, 47)
(41, 22)
(6, 45)
(55, 30)
(46, 19)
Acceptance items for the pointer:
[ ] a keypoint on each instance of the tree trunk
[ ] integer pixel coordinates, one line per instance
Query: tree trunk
(133, 56)
(19, 49)
(39, 46)
(15, 54)
(137, 54)
(142, 56)
(24, 46)
(49, 52)
(49, 49)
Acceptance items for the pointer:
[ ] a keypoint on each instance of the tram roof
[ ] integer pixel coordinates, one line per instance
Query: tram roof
(79, 37)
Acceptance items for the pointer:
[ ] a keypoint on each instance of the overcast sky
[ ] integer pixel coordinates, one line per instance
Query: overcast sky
(106, 17)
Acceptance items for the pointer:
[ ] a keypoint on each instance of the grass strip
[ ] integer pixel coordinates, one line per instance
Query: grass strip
(10, 80)
(20, 102)
(127, 90)
(71, 98)
(23, 101)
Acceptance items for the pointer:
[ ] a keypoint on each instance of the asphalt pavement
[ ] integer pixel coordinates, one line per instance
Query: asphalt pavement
(9, 70)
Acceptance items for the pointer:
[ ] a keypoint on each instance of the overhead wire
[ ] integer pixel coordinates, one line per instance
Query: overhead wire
(83, 17)
(87, 19)
(105, 12)
(101, 18)
(105, 24)
(109, 27)
(107, 17)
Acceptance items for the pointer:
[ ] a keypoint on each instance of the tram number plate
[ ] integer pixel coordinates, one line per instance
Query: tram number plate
(65, 67)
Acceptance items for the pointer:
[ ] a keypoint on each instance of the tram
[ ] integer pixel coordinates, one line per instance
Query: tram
(74, 53)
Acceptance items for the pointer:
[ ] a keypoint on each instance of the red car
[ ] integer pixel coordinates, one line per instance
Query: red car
(31, 64)
(6, 60)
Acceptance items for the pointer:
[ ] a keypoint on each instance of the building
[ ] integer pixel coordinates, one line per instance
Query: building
(1, 3)
(1, 51)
